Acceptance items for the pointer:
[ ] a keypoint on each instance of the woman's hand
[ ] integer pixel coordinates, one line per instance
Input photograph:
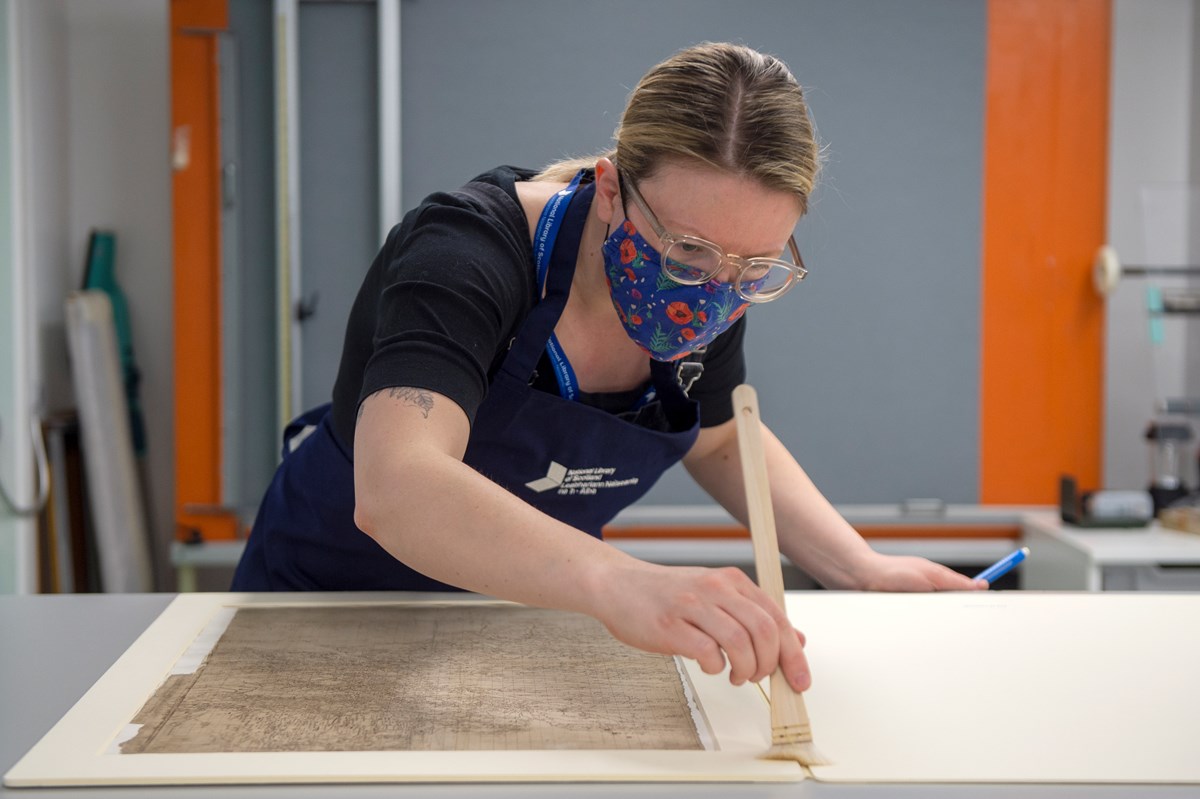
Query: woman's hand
(709, 615)
(899, 573)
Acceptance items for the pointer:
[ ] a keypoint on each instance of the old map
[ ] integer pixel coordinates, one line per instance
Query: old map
(418, 677)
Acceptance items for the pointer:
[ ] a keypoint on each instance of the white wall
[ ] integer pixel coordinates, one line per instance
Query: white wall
(119, 79)
(44, 126)
(96, 119)
(17, 563)
(1153, 139)
(1193, 345)
(36, 74)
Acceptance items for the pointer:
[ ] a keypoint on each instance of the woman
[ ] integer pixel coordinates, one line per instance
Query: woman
(529, 354)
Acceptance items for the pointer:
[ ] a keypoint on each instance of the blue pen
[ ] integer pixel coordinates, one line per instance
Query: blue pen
(1003, 566)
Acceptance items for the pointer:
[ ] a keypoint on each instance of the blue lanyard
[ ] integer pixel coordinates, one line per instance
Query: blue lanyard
(546, 234)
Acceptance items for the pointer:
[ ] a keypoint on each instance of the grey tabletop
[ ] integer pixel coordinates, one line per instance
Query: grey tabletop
(52, 648)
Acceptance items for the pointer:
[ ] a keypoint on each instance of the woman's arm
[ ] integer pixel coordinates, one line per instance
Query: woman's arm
(812, 534)
(421, 503)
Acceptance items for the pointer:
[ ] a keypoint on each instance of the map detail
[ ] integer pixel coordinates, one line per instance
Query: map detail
(418, 677)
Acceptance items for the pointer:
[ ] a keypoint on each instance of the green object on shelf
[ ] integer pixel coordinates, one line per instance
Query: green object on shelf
(1154, 304)
(100, 272)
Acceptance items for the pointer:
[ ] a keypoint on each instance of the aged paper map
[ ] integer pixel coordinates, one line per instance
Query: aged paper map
(418, 677)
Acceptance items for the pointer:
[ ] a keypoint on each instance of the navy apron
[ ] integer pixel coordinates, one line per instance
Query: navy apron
(578, 464)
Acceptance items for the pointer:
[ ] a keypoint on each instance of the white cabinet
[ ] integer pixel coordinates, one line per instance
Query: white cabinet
(1066, 558)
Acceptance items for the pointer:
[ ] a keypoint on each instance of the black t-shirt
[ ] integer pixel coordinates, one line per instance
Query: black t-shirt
(447, 293)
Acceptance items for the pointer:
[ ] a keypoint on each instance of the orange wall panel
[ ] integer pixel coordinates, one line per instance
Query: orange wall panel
(200, 14)
(197, 235)
(1045, 158)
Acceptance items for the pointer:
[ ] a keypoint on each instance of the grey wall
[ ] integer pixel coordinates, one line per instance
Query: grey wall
(339, 183)
(257, 426)
(337, 55)
(869, 371)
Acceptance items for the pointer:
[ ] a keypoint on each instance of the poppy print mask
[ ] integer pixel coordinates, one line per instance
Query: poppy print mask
(666, 319)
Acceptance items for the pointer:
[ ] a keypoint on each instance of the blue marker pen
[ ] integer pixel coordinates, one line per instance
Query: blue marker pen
(1003, 566)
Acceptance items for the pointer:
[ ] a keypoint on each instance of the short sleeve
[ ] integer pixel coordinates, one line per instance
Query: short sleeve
(724, 370)
(441, 300)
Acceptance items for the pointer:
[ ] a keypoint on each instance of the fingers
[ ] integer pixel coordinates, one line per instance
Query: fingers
(918, 574)
(794, 662)
(791, 660)
(717, 617)
(904, 573)
(943, 579)
(763, 621)
(704, 649)
(743, 649)
(692, 642)
(751, 629)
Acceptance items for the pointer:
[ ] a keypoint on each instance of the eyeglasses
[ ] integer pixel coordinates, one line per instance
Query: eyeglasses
(693, 261)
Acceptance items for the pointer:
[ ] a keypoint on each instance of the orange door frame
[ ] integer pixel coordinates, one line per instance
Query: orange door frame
(196, 195)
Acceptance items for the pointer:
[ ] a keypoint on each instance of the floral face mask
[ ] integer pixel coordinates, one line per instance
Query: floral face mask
(665, 318)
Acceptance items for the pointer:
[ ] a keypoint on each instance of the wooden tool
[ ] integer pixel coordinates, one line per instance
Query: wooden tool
(791, 733)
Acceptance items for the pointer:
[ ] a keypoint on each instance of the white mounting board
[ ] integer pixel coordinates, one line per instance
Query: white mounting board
(988, 687)
(114, 490)
(1004, 686)
(79, 751)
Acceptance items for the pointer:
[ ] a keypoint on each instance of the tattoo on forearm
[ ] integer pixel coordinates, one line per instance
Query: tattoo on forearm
(417, 397)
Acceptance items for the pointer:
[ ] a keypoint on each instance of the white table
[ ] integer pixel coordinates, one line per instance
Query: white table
(1067, 558)
(56, 647)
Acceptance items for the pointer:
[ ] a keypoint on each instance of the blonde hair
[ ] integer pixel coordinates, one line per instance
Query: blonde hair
(723, 105)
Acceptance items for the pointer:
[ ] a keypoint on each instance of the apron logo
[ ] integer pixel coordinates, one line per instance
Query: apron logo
(553, 479)
(578, 481)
